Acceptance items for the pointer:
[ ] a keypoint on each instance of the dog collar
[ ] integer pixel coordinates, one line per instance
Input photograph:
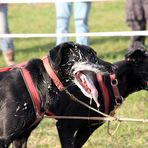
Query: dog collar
(114, 84)
(52, 74)
(104, 89)
(105, 93)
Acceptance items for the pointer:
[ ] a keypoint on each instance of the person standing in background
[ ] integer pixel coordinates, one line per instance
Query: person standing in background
(6, 44)
(137, 17)
(63, 14)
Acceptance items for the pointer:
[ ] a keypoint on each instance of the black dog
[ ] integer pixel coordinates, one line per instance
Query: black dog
(27, 91)
(132, 76)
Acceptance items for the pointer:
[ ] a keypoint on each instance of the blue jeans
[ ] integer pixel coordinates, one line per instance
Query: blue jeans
(5, 43)
(81, 12)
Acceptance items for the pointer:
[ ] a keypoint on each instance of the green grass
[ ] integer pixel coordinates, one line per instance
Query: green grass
(25, 18)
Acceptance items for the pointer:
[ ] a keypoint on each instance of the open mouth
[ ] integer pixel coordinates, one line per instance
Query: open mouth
(85, 83)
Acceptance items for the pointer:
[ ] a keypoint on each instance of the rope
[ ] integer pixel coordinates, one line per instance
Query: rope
(111, 133)
(91, 34)
(120, 119)
(86, 105)
(54, 1)
(105, 118)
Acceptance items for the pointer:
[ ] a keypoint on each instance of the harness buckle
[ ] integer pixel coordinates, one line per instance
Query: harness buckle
(114, 82)
(119, 100)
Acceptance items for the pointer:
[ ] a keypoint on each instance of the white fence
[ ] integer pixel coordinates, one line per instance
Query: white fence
(52, 1)
(52, 35)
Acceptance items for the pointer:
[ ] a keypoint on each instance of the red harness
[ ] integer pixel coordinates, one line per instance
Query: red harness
(105, 92)
(104, 89)
(52, 74)
(36, 98)
(31, 87)
(32, 91)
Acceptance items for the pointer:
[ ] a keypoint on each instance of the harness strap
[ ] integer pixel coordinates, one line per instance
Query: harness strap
(52, 74)
(114, 84)
(5, 69)
(32, 91)
(105, 93)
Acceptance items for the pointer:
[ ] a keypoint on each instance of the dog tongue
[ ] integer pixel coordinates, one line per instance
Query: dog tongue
(89, 87)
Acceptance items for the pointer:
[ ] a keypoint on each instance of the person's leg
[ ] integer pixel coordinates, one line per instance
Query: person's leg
(135, 18)
(81, 13)
(6, 44)
(63, 13)
(145, 6)
(138, 26)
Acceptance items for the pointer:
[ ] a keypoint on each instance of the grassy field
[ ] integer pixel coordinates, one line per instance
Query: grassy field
(109, 16)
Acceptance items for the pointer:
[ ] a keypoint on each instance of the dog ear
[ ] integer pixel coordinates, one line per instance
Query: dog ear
(57, 53)
(136, 53)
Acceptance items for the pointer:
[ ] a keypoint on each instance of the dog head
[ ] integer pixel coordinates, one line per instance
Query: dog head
(138, 57)
(70, 60)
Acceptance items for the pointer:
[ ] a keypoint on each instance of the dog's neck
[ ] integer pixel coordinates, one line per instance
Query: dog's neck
(128, 81)
(43, 83)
